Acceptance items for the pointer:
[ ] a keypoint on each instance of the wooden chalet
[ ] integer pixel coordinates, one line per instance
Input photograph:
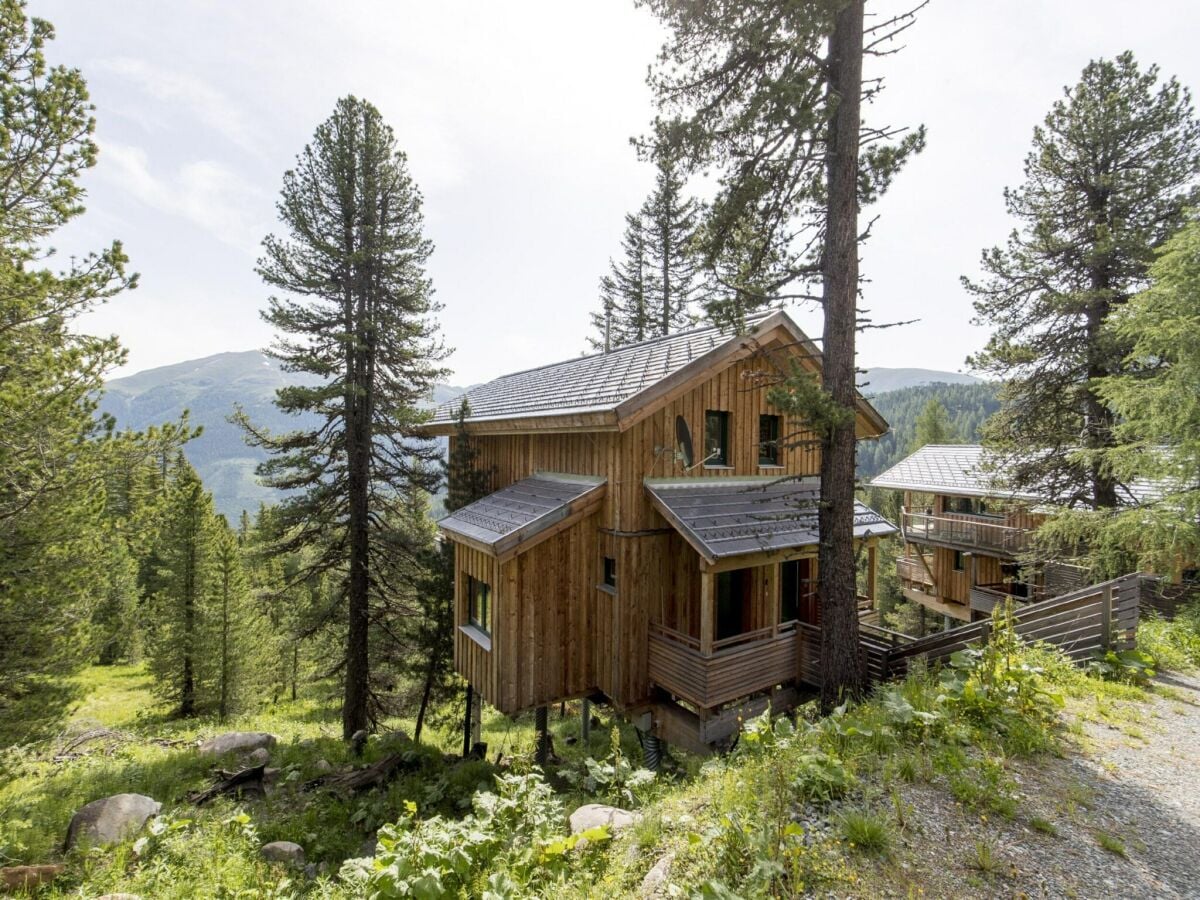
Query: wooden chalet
(651, 536)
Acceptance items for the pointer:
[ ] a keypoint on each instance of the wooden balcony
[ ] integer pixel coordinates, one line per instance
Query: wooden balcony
(984, 597)
(911, 570)
(737, 667)
(964, 532)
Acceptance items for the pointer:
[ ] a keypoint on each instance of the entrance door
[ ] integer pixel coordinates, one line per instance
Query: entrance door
(798, 593)
(733, 603)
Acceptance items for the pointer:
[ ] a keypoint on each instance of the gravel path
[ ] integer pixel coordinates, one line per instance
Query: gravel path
(1118, 816)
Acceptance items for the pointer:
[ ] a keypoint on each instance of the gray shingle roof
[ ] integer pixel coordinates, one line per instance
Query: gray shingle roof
(510, 516)
(595, 383)
(969, 470)
(727, 517)
(958, 469)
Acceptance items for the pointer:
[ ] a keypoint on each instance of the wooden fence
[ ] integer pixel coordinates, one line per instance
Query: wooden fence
(1092, 619)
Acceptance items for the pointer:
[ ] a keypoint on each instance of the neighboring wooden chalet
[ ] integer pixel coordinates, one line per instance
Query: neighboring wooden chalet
(640, 542)
(967, 537)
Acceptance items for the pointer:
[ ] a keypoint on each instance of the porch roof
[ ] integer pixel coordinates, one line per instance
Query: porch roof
(508, 520)
(729, 517)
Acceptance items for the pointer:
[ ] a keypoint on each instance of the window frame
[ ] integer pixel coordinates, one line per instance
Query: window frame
(482, 625)
(710, 460)
(771, 458)
(609, 572)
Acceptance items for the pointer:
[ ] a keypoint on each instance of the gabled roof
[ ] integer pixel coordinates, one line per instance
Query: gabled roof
(970, 470)
(729, 517)
(513, 518)
(961, 470)
(610, 391)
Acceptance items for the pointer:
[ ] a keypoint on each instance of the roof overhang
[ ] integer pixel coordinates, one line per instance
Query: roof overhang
(728, 520)
(514, 519)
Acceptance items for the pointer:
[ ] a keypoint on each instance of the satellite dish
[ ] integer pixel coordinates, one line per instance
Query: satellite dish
(683, 438)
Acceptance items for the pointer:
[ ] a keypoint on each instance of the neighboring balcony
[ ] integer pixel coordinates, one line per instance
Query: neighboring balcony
(737, 667)
(961, 531)
(984, 597)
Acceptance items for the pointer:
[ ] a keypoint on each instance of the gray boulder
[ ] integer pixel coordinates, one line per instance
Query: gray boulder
(237, 742)
(111, 820)
(593, 815)
(120, 897)
(283, 852)
(656, 879)
(258, 757)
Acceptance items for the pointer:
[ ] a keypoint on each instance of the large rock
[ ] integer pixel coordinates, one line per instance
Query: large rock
(283, 852)
(111, 820)
(656, 879)
(593, 815)
(237, 742)
(258, 757)
(120, 897)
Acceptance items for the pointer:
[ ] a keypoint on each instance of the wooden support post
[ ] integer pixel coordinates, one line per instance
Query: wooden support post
(922, 608)
(585, 724)
(1106, 605)
(707, 613)
(871, 573)
(476, 719)
(467, 710)
(541, 725)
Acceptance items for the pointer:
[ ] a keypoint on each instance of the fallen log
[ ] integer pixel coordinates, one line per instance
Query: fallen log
(239, 784)
(357, 780)
(17, 878)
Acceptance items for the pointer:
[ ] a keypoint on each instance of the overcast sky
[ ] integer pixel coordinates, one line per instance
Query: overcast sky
(516, 118)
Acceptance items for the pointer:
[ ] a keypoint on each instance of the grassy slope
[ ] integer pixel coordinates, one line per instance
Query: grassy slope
(852, 805)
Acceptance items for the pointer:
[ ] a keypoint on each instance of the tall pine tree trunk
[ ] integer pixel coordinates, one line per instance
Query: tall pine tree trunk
(354, 707)
(843, 672)
(187, 695)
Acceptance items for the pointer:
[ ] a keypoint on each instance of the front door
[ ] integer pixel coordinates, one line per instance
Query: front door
(733, 603)
(798, 593)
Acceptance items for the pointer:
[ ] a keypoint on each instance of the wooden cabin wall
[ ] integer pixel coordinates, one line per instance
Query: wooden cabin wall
(648, 448)
(472, 661)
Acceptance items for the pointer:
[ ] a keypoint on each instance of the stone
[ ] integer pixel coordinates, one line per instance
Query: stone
(283, 852)
(323, 766)
(120, 897)
(111, 820)
(593, 815)
(259, 756)
(369, 845)
(656, 878)
(237, 742)
(19, 878)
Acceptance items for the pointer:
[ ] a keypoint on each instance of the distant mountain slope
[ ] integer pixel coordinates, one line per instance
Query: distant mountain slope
(883, 380)
(210, 388)
(968, 406)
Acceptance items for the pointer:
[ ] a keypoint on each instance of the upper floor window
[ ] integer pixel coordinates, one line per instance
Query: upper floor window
(716, 438)
(610, 572)
(479, 604)
(768, 440)
(966, 505)
(960, 561)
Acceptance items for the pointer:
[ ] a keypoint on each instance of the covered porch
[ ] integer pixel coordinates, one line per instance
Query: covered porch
(740, 615)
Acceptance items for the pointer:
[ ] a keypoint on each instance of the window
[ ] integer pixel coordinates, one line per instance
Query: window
(610, 572)
(966, 506)
(797, 593)
(479, 604)
(716, 438)
(768, 440)
(960, 564)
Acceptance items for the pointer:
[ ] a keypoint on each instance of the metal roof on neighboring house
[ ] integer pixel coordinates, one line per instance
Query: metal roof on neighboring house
(969, 470)
(958, 469)
(595, 383)
(503, 520)
(727, 517)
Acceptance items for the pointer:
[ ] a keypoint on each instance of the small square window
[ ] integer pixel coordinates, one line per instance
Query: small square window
(479, 604)
(716, 438)
(610, 571)
(768, 440)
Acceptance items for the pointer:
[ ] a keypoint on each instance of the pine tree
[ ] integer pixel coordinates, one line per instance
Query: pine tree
(51, 461)
(933, 426)
(466, 481)
(650, 293)
(177, 654)
(237, 627)
(1111, 172)
(355, 311)
(749, 89)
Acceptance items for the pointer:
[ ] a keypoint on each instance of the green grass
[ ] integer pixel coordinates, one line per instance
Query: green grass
(866, 831)
(1043, 826)
(1111, 843)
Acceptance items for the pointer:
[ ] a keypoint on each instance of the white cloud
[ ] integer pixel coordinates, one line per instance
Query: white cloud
(206, 104)
(205, 193)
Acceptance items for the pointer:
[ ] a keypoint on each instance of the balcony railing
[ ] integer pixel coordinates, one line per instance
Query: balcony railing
(913, 570)
(965, 531)
(985, 596)
(737, 667)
